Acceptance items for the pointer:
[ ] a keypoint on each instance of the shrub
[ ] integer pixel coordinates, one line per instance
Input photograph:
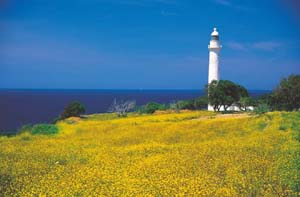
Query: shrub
(186, 104)
(44, 129)
(193, 104)
(261, 109)
(151, 107)
(201, 102)
(74, 109)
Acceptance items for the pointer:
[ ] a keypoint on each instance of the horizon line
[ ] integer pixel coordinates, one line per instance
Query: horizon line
(119, 89)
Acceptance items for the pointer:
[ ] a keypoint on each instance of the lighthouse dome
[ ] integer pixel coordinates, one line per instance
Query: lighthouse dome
(215, 33)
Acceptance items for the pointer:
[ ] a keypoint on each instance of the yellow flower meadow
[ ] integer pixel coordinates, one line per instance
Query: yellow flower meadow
(166, 154)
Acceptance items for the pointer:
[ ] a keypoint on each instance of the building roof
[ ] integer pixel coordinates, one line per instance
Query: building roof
(215, 33)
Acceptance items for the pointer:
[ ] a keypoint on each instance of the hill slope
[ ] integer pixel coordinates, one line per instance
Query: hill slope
(190, 153)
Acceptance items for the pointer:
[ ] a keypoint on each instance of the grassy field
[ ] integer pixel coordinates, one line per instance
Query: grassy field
(185, 154)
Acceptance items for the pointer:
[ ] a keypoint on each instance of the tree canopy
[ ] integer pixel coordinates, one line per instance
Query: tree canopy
(286, 96)
(74, 109)
(225, 93)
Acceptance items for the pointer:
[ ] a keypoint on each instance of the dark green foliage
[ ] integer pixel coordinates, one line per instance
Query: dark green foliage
(186, 104)
(243, 92)
(74, 109)
(224, 93)
(201, 102)
(192, 104)
(283, 127)
(151, 107)
(44, 129)
(264, 99)
(244, 102)
(287, 95)
(261, 109)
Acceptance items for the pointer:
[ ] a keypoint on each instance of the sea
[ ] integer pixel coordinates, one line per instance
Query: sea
(19, 107)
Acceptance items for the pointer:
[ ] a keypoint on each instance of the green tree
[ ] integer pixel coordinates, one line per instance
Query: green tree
(243, 92)
(225, 93)
(265, 98)
(74, 109)
(245, 102)
(261, 108)
(201, 102)
(286, 95)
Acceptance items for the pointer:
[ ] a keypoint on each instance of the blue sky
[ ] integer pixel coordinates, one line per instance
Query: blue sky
(150, 44)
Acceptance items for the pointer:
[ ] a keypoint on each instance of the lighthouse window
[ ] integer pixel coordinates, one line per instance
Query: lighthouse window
(215, 37)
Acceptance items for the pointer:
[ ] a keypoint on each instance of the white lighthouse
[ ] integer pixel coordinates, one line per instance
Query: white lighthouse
(214, 50)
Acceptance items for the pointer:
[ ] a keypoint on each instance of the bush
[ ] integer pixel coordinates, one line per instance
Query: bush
(193, 104)
(261, 109)
(201, 102)
(74, 109)
(186, 104)
(151, 107)
(44, 129)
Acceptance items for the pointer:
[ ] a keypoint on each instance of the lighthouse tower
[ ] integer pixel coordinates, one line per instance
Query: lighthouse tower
(214, 50)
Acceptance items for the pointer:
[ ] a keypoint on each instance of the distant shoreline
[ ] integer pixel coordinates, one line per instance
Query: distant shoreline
(103, 90)
(32, 106)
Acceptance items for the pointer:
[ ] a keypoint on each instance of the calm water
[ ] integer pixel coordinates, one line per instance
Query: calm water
(19, 107)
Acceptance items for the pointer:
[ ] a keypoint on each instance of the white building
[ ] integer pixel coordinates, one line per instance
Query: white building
(214, 51)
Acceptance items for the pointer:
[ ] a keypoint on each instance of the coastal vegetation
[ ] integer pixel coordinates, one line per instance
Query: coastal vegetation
(225, 93)
(191, 153)
(222, 93)
(39, 129)
(74, 109)
(285, 97)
